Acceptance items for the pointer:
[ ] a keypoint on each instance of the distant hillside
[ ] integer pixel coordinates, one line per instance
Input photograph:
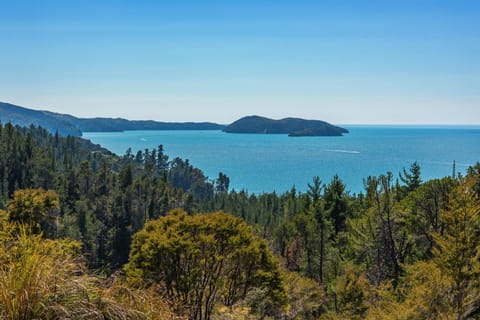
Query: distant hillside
(25, 117)
(70, 125)
(294, 127)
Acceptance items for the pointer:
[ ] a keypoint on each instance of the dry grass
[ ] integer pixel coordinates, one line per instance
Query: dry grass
(44, 279)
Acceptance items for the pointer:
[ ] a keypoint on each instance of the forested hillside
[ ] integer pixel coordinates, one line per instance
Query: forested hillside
(143, 236)
(24, 117)
(67, 124)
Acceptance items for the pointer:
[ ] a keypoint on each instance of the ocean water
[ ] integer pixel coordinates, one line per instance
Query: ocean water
(264, 163)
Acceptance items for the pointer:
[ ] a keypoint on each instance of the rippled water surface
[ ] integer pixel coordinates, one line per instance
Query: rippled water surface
(259, 162)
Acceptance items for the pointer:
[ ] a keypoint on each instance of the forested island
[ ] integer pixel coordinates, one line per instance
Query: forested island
(87, 234)
(294, 127)
(67, 124)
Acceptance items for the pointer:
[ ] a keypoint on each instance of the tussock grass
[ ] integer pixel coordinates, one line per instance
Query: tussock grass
(46, 279)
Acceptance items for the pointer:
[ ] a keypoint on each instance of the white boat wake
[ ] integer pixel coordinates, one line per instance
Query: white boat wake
(342, 151)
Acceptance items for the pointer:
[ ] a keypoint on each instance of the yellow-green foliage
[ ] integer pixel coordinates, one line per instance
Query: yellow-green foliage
(32, 273)
(43, 279)
(205, 259)
(46, 279)
(3, 216)
(448, 286)
(31, 207)
(457, 250)
(306, 296)
(351, 291)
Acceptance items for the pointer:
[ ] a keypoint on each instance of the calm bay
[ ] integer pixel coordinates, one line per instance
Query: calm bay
(269, 162)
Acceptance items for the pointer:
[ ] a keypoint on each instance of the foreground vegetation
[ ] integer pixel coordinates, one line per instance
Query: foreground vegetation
(130, 238)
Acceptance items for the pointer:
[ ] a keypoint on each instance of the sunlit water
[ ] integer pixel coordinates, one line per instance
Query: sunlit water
(260, 162)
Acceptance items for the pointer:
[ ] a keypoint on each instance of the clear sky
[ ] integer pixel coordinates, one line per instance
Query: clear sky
(342, 61)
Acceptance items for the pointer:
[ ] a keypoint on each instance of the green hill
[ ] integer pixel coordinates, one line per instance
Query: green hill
(69, 125)
(25, 117)
(294, 127)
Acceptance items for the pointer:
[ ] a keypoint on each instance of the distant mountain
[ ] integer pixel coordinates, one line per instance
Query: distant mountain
(119, 124)
(70, 125)
(25, 117)
(294, 127)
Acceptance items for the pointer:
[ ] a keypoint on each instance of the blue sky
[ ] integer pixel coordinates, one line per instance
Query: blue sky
(350, 61)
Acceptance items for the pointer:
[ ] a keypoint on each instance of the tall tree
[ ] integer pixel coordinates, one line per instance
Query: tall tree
(336, 203)
(457, 250)
(316, 208)
(222, 183)
(412, 179)
(448, 285)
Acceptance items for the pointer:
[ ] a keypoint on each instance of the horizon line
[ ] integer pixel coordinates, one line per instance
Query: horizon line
(42, 109)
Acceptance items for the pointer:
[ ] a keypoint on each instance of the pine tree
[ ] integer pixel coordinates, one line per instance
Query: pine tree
(336, 203)
(314, 191)
(412, 179)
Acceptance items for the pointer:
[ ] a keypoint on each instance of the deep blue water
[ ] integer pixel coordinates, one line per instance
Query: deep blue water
(258, 163)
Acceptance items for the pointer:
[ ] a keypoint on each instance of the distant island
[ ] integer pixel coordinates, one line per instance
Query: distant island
(69, 125)
(66, 124)
(294, 127)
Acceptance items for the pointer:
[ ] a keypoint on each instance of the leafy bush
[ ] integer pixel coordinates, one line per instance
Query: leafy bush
(205, 259)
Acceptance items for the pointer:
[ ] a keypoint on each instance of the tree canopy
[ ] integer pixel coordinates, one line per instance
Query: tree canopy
(205, 259)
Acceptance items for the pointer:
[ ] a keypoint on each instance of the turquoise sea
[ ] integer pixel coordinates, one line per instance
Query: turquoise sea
(260, 162)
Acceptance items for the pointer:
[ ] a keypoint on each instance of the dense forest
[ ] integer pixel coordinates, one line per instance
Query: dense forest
(88, 234)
